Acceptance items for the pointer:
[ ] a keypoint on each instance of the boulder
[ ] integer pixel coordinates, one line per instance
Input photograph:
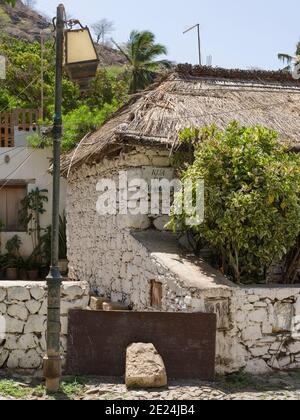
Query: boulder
(144, 367)
(17, 311)
(37, 292)
(96, 303)
(18, 293)
(114, 306)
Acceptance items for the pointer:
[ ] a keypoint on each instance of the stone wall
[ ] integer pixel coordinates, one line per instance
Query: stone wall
(98, 246)
(256, 326)
(23, 310)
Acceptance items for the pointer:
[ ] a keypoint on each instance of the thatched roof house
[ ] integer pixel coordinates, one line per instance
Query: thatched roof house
(120, 247)
(197, 96)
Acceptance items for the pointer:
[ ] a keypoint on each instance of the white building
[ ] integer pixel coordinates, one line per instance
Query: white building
(22, 169)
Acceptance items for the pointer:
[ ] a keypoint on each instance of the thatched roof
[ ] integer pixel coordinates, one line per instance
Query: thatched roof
(197, 97)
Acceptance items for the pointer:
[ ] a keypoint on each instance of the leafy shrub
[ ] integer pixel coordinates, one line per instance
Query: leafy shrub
(83, 120)
(252, 196)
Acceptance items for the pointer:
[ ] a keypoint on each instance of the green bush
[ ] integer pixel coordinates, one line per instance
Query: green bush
(252, 196)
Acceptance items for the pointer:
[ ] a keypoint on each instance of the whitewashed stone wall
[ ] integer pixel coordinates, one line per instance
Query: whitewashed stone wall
(103, 251)
(97, 244)
(23, 310)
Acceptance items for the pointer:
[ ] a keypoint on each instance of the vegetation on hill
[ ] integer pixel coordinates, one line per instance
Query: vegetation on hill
(120, 73)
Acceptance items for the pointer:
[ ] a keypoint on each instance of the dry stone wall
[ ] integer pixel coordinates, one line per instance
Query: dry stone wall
(23, 310)
(257, 327)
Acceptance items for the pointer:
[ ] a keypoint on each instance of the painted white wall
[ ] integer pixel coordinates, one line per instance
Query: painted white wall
(35, 168)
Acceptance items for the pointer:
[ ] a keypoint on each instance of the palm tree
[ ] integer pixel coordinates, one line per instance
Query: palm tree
(141, 52)
(289, 59)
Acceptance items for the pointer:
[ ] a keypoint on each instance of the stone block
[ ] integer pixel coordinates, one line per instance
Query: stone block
(18, 293)
(114, 306)
(294, 347)
(73, 292)
(31, 360)
(17, 311)
(283, 317)
(144, 367)
(35, 324)
(3, 357)
(14, 325)
(161, 222)
(258, 315)
(33, 306)
(257, 367)
(96, 303)
(14, 359)
(2, 294)
(27, 342)
(37, 292)
(252, 333)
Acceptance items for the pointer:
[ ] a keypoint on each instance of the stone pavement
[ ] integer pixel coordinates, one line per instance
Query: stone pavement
(278, 386)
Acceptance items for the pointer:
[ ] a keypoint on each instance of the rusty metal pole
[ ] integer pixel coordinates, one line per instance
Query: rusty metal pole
(52, 360)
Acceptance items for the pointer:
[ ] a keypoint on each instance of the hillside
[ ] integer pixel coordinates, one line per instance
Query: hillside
(25, 23)
(22, 22)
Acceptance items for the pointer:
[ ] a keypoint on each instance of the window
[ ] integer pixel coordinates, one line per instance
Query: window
(156, 294)
(10, 205)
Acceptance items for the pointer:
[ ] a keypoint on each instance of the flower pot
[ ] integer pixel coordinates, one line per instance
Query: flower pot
(2, 274)
(33, 274)
(63, 266)
(44, 271)
(12, 274)
(23, 274)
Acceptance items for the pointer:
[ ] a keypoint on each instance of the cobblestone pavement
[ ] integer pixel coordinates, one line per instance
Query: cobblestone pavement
(280, 386)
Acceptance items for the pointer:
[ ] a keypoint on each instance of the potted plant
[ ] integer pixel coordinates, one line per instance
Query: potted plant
(22, 264)
(33, 270)
(13, 255)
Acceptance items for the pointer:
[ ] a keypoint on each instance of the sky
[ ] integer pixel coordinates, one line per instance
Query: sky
(238, 34)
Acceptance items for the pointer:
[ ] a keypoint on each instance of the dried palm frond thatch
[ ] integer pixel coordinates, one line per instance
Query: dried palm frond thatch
(197, 97)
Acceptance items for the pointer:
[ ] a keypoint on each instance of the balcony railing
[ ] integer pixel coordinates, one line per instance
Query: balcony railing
(25, 120)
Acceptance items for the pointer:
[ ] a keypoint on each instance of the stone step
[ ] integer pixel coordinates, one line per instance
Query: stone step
(104, 304)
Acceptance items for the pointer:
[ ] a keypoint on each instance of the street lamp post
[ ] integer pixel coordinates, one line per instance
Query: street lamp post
(52, 360)
(76, 51)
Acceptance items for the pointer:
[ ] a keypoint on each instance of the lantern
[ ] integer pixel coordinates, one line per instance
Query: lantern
(81, 58)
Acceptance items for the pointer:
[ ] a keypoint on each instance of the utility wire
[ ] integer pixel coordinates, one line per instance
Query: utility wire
(11, 149)
(13, 156)
(7, 179)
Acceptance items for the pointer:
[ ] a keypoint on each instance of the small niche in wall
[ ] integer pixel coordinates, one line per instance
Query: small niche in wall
(155, 294)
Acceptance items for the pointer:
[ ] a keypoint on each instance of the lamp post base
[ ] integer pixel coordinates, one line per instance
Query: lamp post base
(52, 373)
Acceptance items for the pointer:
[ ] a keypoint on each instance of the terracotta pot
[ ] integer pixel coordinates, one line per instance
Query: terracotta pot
(63, 266)
(33, 275)
(12, 274)
(23, 274)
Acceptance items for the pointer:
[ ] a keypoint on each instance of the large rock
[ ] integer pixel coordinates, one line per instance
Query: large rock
(37, 292)
(33, 306)
(35, 324)
(17, 311)
(73, 291)
(18, 293)
(144, 367)
(2, 294)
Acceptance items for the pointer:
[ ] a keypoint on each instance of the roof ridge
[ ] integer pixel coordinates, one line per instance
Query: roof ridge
(282, 76)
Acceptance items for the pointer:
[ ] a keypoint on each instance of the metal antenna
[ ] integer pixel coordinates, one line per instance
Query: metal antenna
(199, 40)
(209, 60)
